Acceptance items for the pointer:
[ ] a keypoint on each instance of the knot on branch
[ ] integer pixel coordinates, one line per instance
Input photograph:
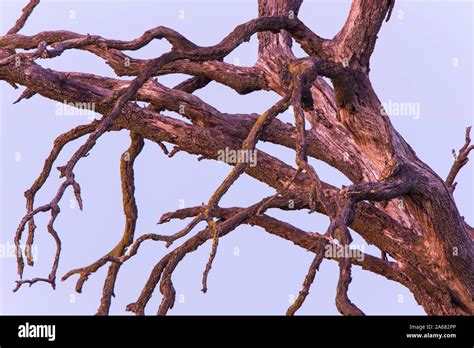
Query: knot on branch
(304, 72)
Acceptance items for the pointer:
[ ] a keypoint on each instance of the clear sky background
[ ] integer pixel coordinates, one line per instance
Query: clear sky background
(424, 56)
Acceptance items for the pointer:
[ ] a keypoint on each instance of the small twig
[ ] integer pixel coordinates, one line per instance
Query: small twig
(27, 10)
(181, 214)
(30, 282)
(27, 94)
(174, 151)
(212, 255)
(163, 148)
(460, 160)
(313, 268)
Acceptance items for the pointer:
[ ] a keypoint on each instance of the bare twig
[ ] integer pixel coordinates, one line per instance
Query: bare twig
(460, 160)
(308, 279)
(27, 10)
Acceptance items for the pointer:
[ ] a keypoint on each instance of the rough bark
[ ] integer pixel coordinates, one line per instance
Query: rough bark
(396, 202)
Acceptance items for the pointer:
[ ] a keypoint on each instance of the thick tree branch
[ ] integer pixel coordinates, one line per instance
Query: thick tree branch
(356, 40)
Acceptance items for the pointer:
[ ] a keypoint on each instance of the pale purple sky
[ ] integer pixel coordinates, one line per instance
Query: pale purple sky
(423, 57)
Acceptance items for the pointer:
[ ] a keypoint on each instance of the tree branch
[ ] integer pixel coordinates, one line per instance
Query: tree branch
(460, 160)
(27, 10)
